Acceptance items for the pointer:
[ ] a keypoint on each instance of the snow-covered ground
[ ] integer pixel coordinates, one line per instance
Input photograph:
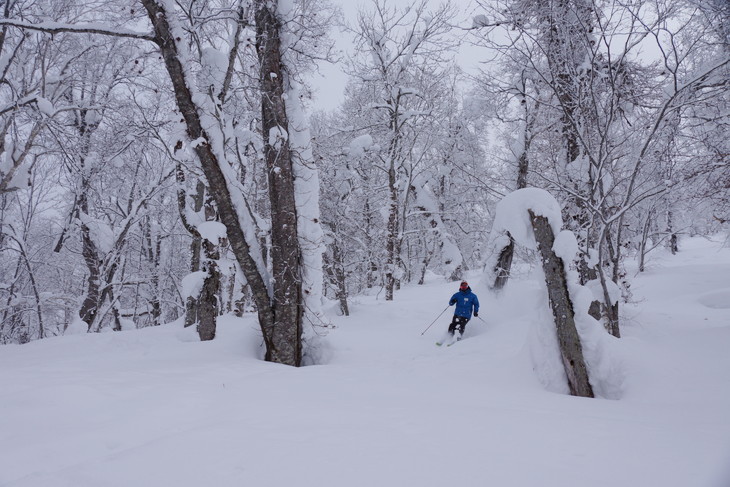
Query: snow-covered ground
(153, 408)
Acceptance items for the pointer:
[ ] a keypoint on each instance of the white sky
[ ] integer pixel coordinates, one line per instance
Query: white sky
(330, 83)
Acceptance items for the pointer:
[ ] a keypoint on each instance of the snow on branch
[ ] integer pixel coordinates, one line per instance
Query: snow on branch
(512, 214)
(90, 28)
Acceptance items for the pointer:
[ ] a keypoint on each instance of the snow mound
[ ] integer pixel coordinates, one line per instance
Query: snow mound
(716, 300)
(512, 214)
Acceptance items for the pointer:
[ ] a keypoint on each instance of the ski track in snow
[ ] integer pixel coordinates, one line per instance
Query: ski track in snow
(153, 408)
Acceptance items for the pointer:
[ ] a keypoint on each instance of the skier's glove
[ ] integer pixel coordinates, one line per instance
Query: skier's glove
(476, 314)
(451, 303)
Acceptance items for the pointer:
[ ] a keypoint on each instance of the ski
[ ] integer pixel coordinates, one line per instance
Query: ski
(451, 342)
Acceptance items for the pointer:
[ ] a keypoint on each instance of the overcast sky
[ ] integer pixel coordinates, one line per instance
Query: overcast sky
(330, 84)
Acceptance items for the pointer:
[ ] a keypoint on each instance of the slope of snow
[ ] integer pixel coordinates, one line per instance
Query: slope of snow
(154, 407)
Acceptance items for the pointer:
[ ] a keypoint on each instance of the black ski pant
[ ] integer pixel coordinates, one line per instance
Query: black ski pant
(459, 321)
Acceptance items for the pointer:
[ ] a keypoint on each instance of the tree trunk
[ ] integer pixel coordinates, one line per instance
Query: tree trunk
(372, 266)
(153, 247)
(672, 244)
(391, 244)
(207, 309)
(569, 23)
(504, 264)
(208, 302)
(428, 254)
(90, 304)
(215, 177)
(610, 307)
(562, 308)
(34, 287)
(338, 268)
(336, 273)
(644, 241)
(117, 325)
(285, 331)
(280, 313)
(191, 303)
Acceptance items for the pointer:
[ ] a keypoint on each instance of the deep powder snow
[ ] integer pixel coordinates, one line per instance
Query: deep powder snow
(155, 407)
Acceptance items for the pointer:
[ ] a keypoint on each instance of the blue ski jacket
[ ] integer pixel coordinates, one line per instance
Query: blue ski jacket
(464, 301)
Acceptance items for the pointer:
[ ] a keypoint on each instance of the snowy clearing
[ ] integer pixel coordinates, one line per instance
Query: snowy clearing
(155, 407)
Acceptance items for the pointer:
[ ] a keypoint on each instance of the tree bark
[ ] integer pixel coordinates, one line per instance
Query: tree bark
(91, 302)
(335, 270)
(191, 303)
(392, 235)
(280, 315)
(208, 306)
(504, 265)
(562, 308)
(644, 240)
(285, 331)
(208, 302)
(370, 262)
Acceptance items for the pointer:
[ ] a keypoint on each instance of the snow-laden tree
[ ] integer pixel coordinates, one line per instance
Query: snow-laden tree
(399, 148)
(221, 59)
(290, 289)
(612, 116)
(398, 54)
(68, 83)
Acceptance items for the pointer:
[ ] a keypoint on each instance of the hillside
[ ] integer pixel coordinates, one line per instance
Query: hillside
(153, 407)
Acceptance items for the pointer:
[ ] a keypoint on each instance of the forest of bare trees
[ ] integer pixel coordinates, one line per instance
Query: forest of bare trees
(166, 160)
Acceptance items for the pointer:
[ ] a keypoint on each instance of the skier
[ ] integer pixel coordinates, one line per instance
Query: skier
(465, 301)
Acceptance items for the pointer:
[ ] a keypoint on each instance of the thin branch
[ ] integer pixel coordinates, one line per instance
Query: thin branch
(57, 28)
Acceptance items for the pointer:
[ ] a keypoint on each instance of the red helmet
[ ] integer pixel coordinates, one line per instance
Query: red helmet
(463, 285)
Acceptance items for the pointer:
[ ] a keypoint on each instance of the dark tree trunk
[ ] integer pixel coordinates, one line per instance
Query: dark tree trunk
(610, 307)
(285, 332)
(339, 271)
(155, 284)
(217, 182)
(335, 271)
(569, 23)
(594, 310)
(644, 241)
(428, 254)
(208, 306)
(372, 266)
(391, 244)
(393, 239)
(562, 308)
(91, 303)
(153, 246)
(191, 311)
(523, 162)
(673, 240)
(504, 264)
(208, 302)
(280, 321)
(191, 302)
(117, 326)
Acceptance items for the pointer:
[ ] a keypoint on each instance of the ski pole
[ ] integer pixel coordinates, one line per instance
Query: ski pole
(434, 321)
(485, 321)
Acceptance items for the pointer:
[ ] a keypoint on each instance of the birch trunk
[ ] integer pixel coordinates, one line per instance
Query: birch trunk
(562, 308)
